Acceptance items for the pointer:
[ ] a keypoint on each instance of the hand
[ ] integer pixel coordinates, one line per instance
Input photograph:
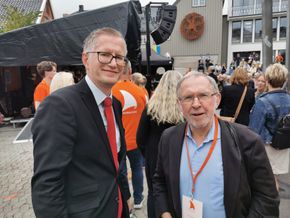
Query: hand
(130, 203)
(166, 215)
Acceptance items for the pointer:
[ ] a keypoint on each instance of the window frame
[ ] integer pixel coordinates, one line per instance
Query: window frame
(251, 35)
(240, 36)
(283, 37)
(200, 3)
(255, 31)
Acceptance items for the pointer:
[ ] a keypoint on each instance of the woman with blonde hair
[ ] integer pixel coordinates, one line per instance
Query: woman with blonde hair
(231, 96)
(140, 80)
(267, 111)
(60, 80)
(161, 113)
(261, 85)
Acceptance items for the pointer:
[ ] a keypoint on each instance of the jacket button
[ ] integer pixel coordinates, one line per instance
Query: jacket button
(117, 199)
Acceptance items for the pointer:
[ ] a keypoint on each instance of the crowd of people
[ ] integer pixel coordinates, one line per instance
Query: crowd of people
(196, 164)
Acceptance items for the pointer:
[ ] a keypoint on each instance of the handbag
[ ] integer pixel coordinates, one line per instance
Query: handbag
(280, 136)
(233, 119)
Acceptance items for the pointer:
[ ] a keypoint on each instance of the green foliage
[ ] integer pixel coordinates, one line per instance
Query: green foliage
(15, 18)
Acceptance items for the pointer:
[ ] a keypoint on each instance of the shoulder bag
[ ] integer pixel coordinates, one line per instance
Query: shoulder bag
(233, 119)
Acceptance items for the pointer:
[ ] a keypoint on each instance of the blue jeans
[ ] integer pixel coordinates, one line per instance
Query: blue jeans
(136, 163)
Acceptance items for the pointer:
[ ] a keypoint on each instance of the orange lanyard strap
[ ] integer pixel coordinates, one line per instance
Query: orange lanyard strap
(194, 177)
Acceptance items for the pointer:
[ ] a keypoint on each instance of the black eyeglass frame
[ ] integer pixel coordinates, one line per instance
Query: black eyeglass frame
(116, 57)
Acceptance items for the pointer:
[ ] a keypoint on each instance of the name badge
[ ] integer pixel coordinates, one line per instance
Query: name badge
(191, 208)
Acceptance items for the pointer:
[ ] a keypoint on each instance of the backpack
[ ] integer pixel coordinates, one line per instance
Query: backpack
(281, 135)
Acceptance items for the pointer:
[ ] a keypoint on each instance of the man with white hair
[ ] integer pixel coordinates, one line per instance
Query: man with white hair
(208, 167)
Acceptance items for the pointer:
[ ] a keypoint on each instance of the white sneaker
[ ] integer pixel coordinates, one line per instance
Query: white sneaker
(140, 205)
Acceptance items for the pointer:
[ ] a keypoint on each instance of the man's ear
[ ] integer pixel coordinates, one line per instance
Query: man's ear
(85, 59)
(218, 100)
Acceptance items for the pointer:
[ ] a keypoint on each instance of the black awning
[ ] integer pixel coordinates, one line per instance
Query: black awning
(61, 40)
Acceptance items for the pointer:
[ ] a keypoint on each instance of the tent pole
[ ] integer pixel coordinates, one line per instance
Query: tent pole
(148, 46)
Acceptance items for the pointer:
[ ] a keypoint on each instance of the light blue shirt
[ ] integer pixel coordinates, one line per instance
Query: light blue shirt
(209, 186)
(100, 97)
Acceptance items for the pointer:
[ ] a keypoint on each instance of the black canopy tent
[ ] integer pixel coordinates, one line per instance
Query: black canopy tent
(61, 40)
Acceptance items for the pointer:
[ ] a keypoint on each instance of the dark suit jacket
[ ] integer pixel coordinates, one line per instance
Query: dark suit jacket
(74, 171)
(249, 186)
(231, 96)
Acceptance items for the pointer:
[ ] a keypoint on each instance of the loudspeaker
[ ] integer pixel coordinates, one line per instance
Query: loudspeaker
(163, 32)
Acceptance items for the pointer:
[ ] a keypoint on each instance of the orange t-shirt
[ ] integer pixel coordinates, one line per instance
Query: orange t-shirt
(133, 102)
(41, 91)
(146, 93)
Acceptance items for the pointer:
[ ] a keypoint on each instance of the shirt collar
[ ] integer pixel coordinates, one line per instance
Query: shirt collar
(98, 94)
(210, 135)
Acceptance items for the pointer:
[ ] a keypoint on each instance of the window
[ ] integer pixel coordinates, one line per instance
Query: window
(275, 5)
(258, 30)
(283, 27)
(236, 32)
(247, 31)
(198, 3)
(243, 2)
(274, 26)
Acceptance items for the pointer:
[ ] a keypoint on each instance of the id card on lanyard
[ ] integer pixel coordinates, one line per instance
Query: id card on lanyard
(187, 208)
(192, 208)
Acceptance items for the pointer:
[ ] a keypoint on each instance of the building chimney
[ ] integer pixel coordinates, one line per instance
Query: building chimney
(81, 8)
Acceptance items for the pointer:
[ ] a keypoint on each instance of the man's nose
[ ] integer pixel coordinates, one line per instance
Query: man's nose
(113, 62)
(196, 102)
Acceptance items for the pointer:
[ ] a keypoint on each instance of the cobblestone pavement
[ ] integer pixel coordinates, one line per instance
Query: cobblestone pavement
(16, 166)
(16, 170)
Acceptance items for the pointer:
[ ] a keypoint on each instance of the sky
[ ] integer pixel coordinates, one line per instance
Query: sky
(61, 7)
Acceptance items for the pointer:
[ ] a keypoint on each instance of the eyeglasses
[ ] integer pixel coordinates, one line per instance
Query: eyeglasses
(106, 58)
(202, 98)
(261, 81)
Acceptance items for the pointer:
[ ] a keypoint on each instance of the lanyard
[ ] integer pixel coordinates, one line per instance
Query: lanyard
(194, 177)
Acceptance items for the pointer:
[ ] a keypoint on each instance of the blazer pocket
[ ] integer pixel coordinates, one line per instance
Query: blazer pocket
(83, 199)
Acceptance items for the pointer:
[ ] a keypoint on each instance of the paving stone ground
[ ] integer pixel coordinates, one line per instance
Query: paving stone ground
(16, 165)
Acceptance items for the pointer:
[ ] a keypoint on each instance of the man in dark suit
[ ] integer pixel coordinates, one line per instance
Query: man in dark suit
(208, 167)
(77, 164)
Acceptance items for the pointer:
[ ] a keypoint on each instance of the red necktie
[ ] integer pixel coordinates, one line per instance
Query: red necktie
(111, 133)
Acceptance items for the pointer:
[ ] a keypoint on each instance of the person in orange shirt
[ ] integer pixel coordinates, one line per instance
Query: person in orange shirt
(279, 58)
(47, 70)
(133, 101)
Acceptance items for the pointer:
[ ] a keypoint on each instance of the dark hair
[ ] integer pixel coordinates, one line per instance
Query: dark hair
(44, 66)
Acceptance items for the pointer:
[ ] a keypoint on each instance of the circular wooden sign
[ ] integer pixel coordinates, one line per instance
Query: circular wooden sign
(192, 26)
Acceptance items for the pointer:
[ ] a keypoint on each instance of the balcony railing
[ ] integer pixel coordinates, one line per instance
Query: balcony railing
(257, 9)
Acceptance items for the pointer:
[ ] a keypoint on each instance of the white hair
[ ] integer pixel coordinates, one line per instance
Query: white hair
(60, 80)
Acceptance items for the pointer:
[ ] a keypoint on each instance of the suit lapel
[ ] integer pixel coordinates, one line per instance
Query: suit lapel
(90, 102)
(232, 169)
(174, 161)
